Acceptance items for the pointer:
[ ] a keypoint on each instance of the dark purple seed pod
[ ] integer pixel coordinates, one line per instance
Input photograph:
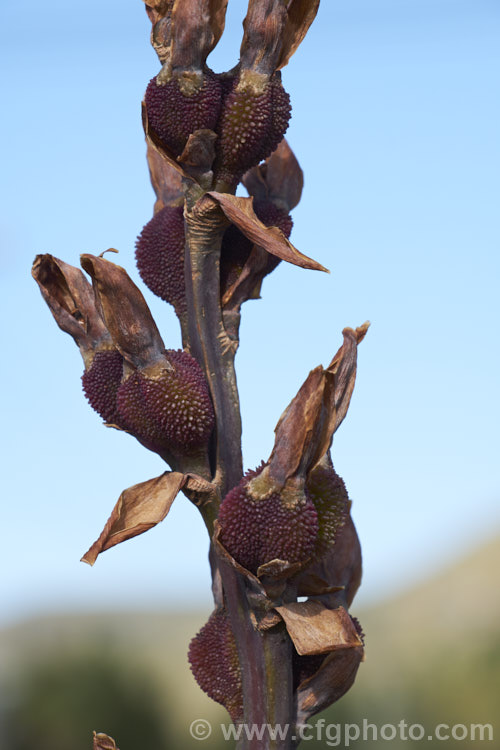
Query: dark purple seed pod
(160, 256)
(257, 530)
(213, 659)
(171, 412)
(175, 110)
(329, 495)
(272, 216)
(101, 382)
(254, 120)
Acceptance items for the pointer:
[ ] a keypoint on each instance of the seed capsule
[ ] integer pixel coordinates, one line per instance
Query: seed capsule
(160, 256)
(256, 530)
(176, 110)
(213, 659)
(101, 382)
(254, 119)
(171, 411)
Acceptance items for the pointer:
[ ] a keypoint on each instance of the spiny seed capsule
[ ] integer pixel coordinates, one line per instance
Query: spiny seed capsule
(236, 248)
(101, 382)
(171, 412)
(256, 531)
(213, 659)
(252, 124)
(329, 495)
(174, 113)
(160, 256)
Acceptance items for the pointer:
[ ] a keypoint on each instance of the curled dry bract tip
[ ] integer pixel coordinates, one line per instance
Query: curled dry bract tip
(279, 179)
(126, 314)
(103, 742)
(165, 179)
(263, 26)
(240, 212)
(143, 506)
(305, 430)
(197, 26)
(70, 299)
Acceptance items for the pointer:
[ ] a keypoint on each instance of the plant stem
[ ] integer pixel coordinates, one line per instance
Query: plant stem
(266, 672)
(265, 657)
(209, 341)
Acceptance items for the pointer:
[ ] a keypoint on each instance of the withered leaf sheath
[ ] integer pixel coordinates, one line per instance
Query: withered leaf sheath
(71, 300)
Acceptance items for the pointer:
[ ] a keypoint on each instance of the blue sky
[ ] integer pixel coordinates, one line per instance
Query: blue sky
(395, 123)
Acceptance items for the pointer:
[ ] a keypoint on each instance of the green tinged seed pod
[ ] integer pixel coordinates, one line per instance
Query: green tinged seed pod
(253, 121)
(329, 495)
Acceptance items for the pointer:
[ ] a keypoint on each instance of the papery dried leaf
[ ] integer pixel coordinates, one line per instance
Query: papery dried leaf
(154, 142)
(340, 569)
(303, 433)
(343, 366)
(199, 490)
(262, 38)
(240, 212)
(247, 285)
(278, 569)
(284, 177)
(159, 13)
(217, 18)
(70, 299)
(139, 508)
(314, 629)
(103, 742)
(270, 620)
(333, 679)
(197, 26)
(279, 179)
(305, 430)
(126, 313)
(301, 14)
(311, 584)
(166, 181)
(198, 155)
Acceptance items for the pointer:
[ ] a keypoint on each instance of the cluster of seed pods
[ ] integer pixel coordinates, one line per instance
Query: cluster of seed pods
(293, 510)
(132, 381)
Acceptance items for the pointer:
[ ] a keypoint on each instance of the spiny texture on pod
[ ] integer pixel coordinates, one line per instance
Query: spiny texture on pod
(236, 248)
(174, 111)
(256, 531)
(160, 256)
(101, 382)
(214, 663)
(254, 119)
(172, 411)
(329, 495)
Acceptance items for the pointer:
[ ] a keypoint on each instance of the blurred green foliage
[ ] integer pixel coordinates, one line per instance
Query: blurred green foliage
(57, 705)
(432, 657)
